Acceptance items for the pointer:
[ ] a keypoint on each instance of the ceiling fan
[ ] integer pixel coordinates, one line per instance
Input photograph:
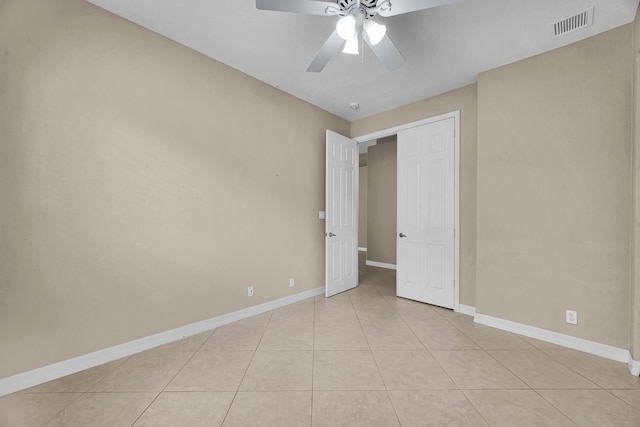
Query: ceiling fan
(355, 24)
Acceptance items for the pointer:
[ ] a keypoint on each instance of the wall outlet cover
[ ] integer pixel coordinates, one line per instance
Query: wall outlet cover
(572, 317)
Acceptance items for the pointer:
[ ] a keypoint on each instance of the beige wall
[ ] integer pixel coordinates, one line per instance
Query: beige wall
(362, 207)
(463, 99)
(143, 186)
(635, 228)
(381, 205)
(554, 186)
(138, 179)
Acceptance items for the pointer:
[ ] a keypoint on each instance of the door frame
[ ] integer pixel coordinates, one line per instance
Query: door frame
(456, 198)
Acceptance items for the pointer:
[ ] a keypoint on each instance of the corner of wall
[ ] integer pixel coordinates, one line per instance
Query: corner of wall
(634, 329)
(522, 256)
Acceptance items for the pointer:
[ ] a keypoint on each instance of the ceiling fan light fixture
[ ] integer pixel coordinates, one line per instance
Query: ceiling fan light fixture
(346, 27)
(351, 46)
(375, 32)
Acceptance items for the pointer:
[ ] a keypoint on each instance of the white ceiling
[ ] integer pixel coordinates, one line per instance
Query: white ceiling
(445, 47)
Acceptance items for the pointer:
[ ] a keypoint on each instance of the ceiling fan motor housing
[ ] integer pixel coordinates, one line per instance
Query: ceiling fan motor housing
(368, 7)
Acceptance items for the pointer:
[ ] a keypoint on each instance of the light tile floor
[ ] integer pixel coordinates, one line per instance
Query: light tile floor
(362, 358)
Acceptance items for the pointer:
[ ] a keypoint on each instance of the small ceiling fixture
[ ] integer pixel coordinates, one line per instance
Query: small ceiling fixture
(354, 106)
(356, 24)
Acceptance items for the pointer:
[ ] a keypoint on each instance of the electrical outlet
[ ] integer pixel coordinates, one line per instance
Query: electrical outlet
(572, 317)
(250, 291)
(292, 282)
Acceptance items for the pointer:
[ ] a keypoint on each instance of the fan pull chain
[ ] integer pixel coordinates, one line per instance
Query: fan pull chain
(362, 41)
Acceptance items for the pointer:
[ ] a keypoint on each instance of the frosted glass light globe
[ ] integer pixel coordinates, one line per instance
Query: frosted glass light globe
(351, 46)
(375, 32)
(346, 27)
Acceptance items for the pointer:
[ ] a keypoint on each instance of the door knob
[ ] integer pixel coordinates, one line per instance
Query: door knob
(402, 235)
(331, 234)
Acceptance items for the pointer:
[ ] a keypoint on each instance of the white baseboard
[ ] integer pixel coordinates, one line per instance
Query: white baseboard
(467, 309)
(71, 366)
(634, 366)
(362, 249)
(598, 349)
(381, 264)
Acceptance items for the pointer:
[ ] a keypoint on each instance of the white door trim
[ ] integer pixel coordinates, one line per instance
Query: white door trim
(394, 130)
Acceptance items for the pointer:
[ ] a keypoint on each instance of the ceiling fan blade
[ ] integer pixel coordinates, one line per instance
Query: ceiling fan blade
(328, 49)
(307, 7)
(399, 7)
(387, 53)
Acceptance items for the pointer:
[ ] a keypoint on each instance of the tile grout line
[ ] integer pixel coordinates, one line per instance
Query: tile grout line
(605, 390)
(146, 408)
(480, 348)
(598, 386)
(536, 390)
(173, 377)
(65, 407)
(80, 394)
(572, 369)
(507, 368)
(619, 398)
(235, 394)
(445, 371)
(442, 367)
(386, 389)
(474, 407)
(545, 354)
(554, 406)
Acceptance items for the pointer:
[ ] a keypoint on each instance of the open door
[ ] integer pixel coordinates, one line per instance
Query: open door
(341, 204)
(426, 213)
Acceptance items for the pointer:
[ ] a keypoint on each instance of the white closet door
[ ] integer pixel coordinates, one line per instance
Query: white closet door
(426, 213)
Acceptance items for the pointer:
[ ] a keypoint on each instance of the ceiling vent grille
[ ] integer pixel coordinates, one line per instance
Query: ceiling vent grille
(573, 23)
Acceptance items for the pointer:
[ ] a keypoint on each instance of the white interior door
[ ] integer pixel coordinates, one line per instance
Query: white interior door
(426, 213)
(341, 204)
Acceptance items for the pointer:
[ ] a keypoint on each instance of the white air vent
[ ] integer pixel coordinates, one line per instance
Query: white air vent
(572, 23)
